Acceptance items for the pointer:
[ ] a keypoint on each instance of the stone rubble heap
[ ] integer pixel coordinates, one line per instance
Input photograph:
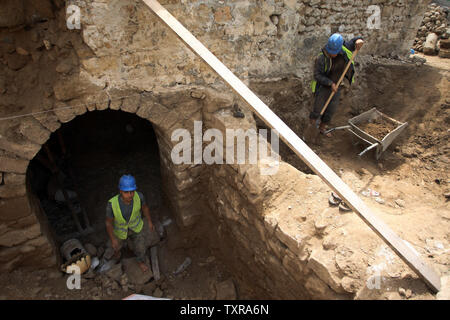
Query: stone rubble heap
(435, 21)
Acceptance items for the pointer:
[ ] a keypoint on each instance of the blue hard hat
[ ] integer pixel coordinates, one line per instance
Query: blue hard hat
(127, 183)
(334, 44)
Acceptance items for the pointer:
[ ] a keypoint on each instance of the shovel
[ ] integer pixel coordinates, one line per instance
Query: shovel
(311, 133)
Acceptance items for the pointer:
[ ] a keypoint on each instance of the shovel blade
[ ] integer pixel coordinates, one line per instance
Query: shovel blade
(310, 133)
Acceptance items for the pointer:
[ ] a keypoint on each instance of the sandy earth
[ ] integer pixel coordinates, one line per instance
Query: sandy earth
(412, 176)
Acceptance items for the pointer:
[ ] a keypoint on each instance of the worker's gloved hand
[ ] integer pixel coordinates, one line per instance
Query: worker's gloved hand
(115, 244)
(359, 44)
(334, 87)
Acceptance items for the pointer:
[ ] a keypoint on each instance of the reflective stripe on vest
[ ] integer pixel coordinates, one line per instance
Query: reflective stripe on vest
(349, 56)
(120, 225)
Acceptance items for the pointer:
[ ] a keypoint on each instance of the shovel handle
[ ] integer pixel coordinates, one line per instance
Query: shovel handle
(340, 80)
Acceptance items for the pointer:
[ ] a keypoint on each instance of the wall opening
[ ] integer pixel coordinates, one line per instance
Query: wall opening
(86, 158)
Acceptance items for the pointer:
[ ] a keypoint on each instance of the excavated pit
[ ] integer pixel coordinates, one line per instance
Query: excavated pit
(100, 147)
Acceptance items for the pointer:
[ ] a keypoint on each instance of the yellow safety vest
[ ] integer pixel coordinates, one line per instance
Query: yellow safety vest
(120, 225)
(349, 56)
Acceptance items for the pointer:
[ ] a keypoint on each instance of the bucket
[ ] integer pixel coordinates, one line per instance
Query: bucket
(72, 247)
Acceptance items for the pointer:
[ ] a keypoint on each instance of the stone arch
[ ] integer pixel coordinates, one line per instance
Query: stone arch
(26, 241)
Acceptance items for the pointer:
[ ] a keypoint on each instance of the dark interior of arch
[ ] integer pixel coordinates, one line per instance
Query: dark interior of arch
(100, 146)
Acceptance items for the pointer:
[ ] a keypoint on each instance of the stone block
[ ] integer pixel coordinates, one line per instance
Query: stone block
(73, 87)
(226, 290)
(10, 264)
(252, 183)
(23, 222)
(15, 237)
(48, 120)
(134, 273)
(131, 103)
(322, 263)
(14, 209)
(223, 15)
(38, 242)
(78, 106)
(444, 53)
(170, 120)
(149, 288)
(16, 61)
(289, 236)
(33, 130)
(65, 113)
(350, 285)
(115, 273)
(152, 111)
(7, 254)
(13, 165)
(14, 178)
(430, 44)
(12, 191)
(24, 150)
(318, 289)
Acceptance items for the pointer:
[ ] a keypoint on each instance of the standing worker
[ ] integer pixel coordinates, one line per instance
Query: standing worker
(328, 68)
(124, 220)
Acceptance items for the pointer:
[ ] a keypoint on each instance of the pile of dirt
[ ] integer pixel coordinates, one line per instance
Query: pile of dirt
(378, 128)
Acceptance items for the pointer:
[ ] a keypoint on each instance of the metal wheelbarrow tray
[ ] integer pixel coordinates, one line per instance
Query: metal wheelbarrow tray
(372, 116)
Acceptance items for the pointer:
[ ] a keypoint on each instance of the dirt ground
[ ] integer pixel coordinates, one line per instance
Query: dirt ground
(197, 282)
(410, 183)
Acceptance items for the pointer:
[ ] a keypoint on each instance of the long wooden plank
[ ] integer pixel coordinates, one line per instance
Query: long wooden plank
(301, 149)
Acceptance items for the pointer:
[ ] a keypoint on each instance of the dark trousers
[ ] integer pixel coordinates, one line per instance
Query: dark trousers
(320, 98)
(139, 242)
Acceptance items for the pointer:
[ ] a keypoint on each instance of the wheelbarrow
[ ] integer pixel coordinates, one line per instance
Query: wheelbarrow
(359, 127)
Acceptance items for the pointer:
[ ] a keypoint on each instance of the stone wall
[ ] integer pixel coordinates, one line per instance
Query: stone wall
(279, 237)
(255, 39)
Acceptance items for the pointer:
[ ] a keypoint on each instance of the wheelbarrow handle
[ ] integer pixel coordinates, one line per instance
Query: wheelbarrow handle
(337, 128)
(368, 148)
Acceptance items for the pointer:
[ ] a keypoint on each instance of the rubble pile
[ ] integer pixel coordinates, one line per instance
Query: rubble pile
(433, 31)
(112, 277)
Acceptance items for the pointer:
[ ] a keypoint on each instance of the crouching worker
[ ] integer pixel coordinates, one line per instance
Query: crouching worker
(124, 221)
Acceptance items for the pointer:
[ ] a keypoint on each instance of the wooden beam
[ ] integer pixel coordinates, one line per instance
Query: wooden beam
(155, 262)
(301, 149)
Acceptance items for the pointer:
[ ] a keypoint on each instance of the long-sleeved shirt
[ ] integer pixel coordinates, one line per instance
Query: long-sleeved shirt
(325, 78)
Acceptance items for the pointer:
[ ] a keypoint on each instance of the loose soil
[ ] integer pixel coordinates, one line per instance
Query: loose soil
(378, 128)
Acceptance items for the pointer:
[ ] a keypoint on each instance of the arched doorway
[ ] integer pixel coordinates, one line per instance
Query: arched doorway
(88, 155)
